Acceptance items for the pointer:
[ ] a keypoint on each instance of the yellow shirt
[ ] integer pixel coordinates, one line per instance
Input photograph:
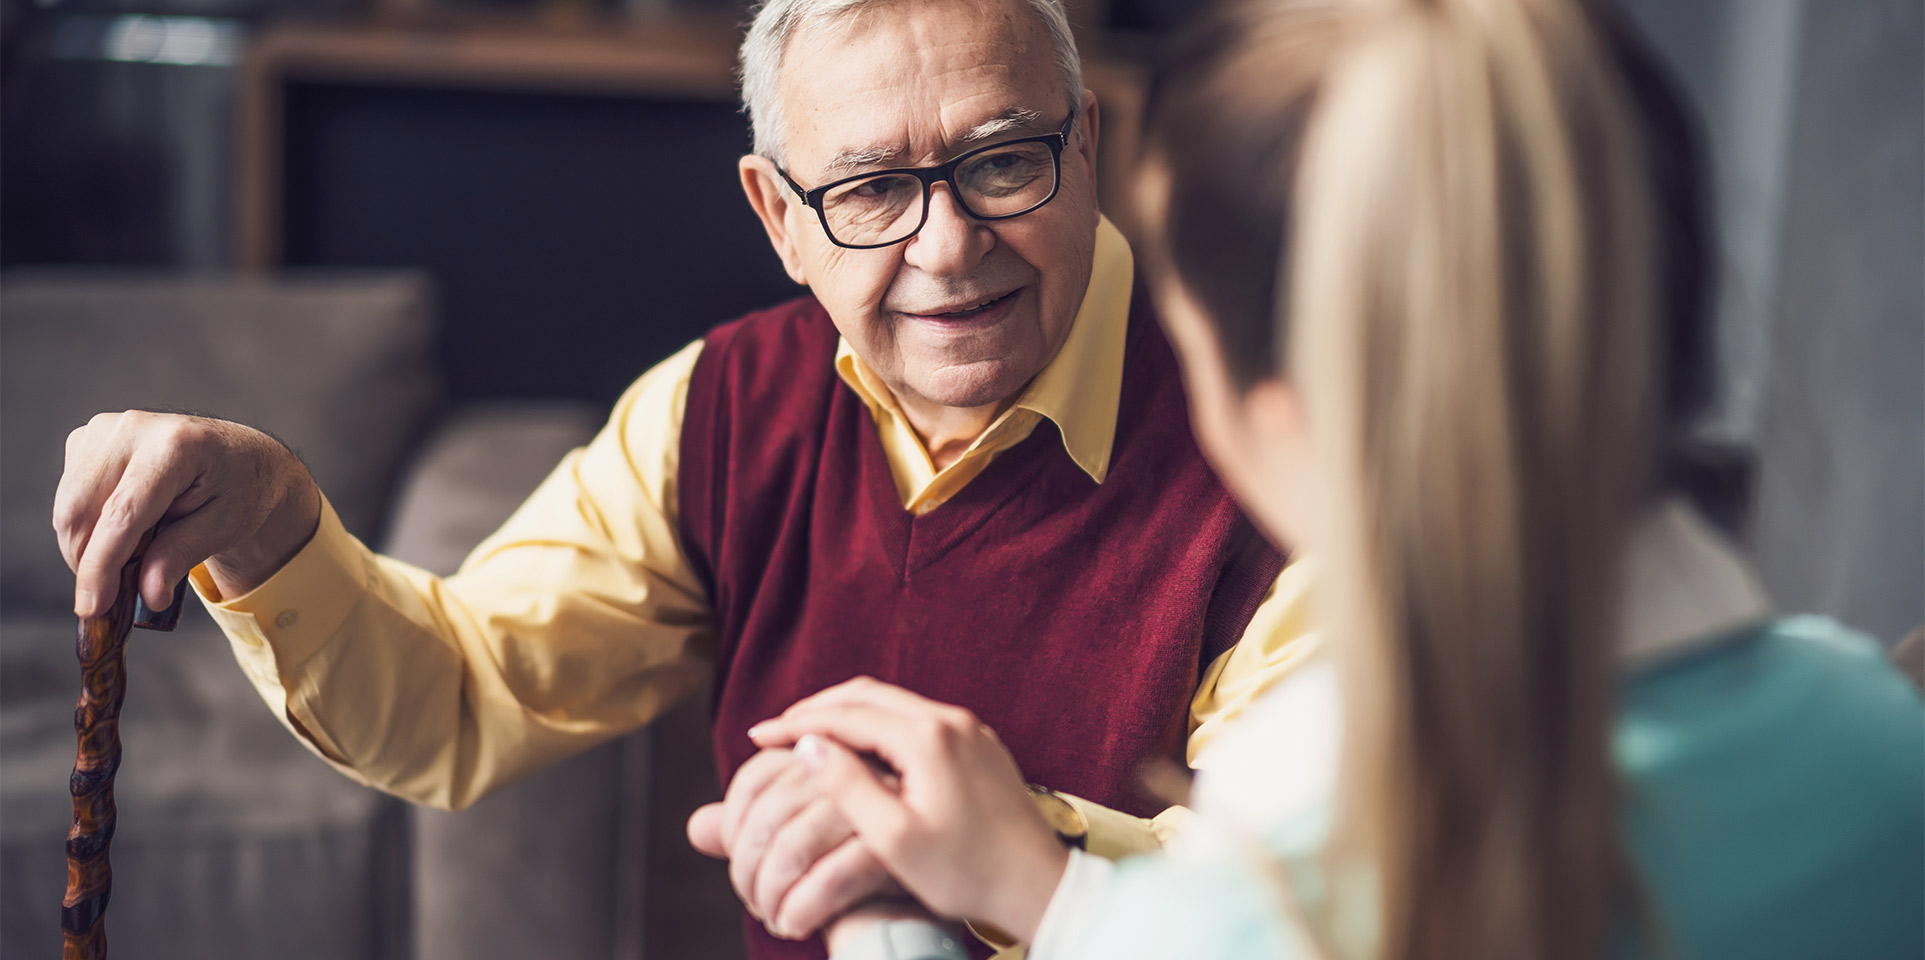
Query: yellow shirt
(580, 619)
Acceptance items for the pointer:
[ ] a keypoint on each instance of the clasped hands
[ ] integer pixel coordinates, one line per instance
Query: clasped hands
(869, 802)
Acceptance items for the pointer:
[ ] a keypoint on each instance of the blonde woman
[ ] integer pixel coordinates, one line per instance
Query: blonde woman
(1434, 270)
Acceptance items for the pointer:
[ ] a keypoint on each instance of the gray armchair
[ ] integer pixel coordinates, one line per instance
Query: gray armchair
(234, 841)
(587, 858)
(561, 852)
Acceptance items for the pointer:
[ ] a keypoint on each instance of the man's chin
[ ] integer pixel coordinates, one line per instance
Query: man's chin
(970, 385)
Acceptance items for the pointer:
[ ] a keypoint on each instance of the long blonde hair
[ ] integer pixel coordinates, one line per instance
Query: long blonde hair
(1469, 287)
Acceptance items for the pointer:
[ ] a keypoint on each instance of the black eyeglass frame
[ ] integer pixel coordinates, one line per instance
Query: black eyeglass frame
(940, 173)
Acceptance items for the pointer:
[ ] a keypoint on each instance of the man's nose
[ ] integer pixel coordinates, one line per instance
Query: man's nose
(951, 242)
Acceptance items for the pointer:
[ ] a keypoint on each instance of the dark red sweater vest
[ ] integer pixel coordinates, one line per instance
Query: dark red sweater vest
(1073, 617)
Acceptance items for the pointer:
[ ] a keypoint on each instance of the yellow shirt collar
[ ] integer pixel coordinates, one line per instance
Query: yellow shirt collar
(1079, 389)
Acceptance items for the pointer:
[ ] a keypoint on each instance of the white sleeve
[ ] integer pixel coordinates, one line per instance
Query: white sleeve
(1074, 907)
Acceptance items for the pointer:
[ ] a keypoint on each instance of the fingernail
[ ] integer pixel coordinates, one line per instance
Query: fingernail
(755, 732)
(809, 750)
(83, 603)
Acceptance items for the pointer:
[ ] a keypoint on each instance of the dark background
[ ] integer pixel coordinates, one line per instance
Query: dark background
(549, 221)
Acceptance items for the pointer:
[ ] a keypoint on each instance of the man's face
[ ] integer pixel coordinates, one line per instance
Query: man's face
(914, 84)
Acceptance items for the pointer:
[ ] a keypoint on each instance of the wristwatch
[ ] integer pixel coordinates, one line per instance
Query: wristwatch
(1062, 817)
(903, 940)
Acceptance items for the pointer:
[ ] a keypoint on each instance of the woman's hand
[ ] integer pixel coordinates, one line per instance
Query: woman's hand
(961, 833)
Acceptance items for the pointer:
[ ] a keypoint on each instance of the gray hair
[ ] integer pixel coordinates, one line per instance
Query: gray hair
(776, 23)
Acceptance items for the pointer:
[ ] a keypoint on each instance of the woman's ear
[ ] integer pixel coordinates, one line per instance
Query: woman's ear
(1275, 413)
(1279, 460)
(771, 198)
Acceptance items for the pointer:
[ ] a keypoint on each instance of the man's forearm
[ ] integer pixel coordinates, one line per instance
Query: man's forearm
(439, 689)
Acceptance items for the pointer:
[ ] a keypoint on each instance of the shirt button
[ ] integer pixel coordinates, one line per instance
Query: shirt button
(287, 619)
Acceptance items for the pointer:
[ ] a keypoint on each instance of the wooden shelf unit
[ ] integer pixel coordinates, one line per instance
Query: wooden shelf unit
(677, 57)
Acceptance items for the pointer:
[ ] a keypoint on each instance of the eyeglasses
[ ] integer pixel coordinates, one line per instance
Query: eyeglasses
(995, 182)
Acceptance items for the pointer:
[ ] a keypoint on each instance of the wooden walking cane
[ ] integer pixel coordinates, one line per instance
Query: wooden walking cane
(102, 646)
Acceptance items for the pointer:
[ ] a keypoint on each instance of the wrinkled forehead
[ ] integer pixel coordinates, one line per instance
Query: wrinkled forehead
(906, 83)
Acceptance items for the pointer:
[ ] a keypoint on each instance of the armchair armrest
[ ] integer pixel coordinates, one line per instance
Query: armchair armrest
(529, 870)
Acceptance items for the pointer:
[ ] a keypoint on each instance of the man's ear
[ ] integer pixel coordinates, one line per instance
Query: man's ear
(1091, 121)
(771, 198)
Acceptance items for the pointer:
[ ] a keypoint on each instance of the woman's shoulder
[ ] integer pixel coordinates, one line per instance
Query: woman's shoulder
(1796, 707)
(1807, 672)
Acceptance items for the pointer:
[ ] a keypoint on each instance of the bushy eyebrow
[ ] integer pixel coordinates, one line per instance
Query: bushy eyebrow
(855, 158)
(1002, 123)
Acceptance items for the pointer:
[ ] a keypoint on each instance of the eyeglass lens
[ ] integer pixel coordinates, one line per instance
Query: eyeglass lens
(886, 208)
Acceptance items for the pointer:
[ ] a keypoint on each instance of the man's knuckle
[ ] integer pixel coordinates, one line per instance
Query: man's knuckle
(119, 510)
(751, 839)
(783, 865)
(135, 423)
(112, 513)
(66, 514)
(178, 438)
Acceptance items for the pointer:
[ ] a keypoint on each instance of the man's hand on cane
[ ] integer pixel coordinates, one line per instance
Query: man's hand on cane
(220, 492)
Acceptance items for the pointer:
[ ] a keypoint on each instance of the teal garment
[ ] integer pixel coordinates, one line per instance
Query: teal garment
(1775, 809)
(1775, 796)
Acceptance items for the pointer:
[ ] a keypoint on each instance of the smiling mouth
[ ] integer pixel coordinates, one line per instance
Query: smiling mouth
(972, 310)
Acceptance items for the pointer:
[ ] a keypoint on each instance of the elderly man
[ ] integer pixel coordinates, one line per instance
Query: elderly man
(961, 464)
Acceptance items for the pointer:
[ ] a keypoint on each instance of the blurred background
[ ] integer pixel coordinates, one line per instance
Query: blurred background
(429, 241)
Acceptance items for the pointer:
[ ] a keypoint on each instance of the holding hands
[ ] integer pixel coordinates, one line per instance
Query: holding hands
(793, 858)
(954, 824)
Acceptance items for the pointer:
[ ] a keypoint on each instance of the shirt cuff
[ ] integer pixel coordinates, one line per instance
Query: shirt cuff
(303, 604)
(1074, 908)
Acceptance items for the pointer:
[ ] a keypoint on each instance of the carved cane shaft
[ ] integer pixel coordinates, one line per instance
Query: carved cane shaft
(101, 645)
